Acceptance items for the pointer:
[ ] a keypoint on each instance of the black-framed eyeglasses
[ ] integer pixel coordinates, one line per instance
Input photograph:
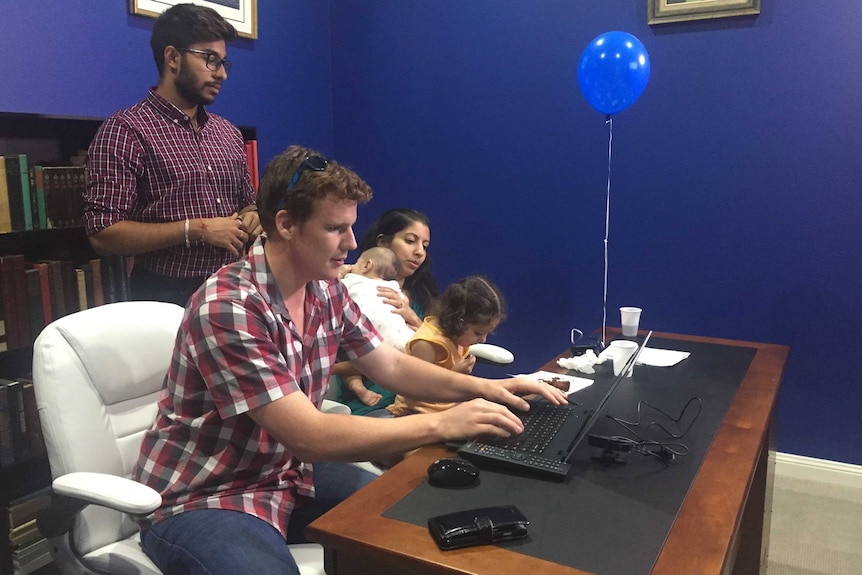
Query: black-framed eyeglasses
(314, 163)
(213, 61)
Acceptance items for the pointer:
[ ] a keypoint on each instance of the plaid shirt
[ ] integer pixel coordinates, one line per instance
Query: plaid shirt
(237, 350)
(148, 164)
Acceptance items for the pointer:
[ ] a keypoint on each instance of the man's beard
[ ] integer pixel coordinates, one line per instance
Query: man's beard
(187, 88)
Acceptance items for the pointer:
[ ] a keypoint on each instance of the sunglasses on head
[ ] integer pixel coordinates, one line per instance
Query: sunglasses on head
(314, 163)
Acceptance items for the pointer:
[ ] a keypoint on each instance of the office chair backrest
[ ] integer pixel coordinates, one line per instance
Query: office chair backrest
(97, 376)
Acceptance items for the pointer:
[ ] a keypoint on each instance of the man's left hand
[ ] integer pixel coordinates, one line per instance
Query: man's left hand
(510, 392)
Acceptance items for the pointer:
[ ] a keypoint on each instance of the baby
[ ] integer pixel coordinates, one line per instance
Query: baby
(375, 267)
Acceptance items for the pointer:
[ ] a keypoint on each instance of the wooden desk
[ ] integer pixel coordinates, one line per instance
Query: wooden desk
(721, 528)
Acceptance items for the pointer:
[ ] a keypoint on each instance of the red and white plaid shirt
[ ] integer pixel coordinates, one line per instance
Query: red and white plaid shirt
(237, 350)
(148, 164)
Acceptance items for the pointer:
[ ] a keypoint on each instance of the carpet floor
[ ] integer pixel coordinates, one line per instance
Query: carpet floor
(816, 528)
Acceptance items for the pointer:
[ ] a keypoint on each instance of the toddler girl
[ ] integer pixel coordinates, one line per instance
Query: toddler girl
(467, 312)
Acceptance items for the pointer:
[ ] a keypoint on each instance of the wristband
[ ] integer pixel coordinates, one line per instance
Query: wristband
(186, 233)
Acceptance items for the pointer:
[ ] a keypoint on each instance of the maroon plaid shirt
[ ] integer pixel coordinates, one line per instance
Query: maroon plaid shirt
(237, 350)
(148, 164)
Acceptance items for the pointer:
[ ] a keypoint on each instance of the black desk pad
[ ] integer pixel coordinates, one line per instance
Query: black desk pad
(609, 519)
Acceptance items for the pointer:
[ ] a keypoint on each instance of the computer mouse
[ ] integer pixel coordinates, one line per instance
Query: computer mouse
(489, 353)
(453, 472)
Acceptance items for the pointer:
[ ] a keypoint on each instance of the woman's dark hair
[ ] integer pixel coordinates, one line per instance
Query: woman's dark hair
(420, 286)
(183, 25)
(472, 300)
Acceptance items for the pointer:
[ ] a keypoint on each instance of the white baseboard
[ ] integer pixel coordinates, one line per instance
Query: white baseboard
(809, 468)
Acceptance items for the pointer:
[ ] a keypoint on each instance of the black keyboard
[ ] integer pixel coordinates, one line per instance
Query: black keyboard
(538, 451)
(541, 424)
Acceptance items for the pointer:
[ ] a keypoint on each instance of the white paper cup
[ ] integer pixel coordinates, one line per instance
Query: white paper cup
(630, 318)
(621, 351)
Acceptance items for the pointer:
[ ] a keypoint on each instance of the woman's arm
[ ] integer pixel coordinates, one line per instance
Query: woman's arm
(400, 304)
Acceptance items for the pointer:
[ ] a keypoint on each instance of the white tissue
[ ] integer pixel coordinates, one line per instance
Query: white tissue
(583, 363)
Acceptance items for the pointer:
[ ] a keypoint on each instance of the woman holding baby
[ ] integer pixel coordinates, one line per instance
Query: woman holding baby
(406, 232)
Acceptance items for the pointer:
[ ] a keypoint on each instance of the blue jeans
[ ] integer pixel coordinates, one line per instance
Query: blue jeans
(218, 541)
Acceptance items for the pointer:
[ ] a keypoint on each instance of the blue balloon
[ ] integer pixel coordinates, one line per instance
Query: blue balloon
(613, 71)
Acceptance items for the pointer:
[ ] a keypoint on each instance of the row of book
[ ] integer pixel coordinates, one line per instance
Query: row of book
(33, 294)
(20, 429)
(30, 550)
(36, 197)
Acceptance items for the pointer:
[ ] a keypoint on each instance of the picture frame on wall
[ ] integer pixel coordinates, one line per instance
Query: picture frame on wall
(242, 14)
(663, 11)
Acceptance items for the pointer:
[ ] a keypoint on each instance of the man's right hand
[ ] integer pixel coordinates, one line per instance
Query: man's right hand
(224, 233)
(478, 417)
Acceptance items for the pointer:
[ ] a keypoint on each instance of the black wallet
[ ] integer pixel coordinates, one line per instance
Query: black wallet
(481, 526)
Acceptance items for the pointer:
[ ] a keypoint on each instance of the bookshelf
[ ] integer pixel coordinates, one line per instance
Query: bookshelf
(48, 140)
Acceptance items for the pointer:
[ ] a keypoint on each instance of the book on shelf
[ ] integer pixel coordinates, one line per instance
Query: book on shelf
(3, 345)
(25, 534)
(81, 279)
(252, 161)
(26, 202)
(27, 545)
(31, 418)
(70, 286)
(35, 313)
(5, 215)
(21, 510)
(7, 445)
(37, 191)
(55, 286)
(31, 196)
(7, 309)
(44, 290)
(15, 193)
(29, 559)
(21, 435)
(13, 292)
(115, 278)
(64, 188)
(98, 291)
(18, 419)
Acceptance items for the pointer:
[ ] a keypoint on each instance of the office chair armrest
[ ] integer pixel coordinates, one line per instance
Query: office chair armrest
(491, 354)
(330, 406)
(74, 491)
(111, 491)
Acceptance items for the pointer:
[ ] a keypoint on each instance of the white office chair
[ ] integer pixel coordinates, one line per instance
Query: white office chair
(97, 376)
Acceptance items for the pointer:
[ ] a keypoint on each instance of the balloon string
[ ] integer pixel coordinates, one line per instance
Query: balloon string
(610, 122)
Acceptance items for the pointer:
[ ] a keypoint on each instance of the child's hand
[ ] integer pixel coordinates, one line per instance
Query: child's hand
(344, 270)
(465, 365)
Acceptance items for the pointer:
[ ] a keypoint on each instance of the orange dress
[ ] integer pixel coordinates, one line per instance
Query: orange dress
(453, 354)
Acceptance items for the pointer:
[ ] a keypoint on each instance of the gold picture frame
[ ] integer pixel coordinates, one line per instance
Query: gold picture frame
(242, 14)
(663, 11)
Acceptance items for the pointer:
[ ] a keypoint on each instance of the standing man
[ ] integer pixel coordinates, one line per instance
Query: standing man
(167, 181)
(238, 446)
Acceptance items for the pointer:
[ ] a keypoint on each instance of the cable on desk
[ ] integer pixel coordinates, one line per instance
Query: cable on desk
(629, 425)
(665, 451)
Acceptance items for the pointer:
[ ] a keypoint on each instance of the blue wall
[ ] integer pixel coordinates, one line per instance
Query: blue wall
(75, 57)
(735, 187)
(735, 194)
